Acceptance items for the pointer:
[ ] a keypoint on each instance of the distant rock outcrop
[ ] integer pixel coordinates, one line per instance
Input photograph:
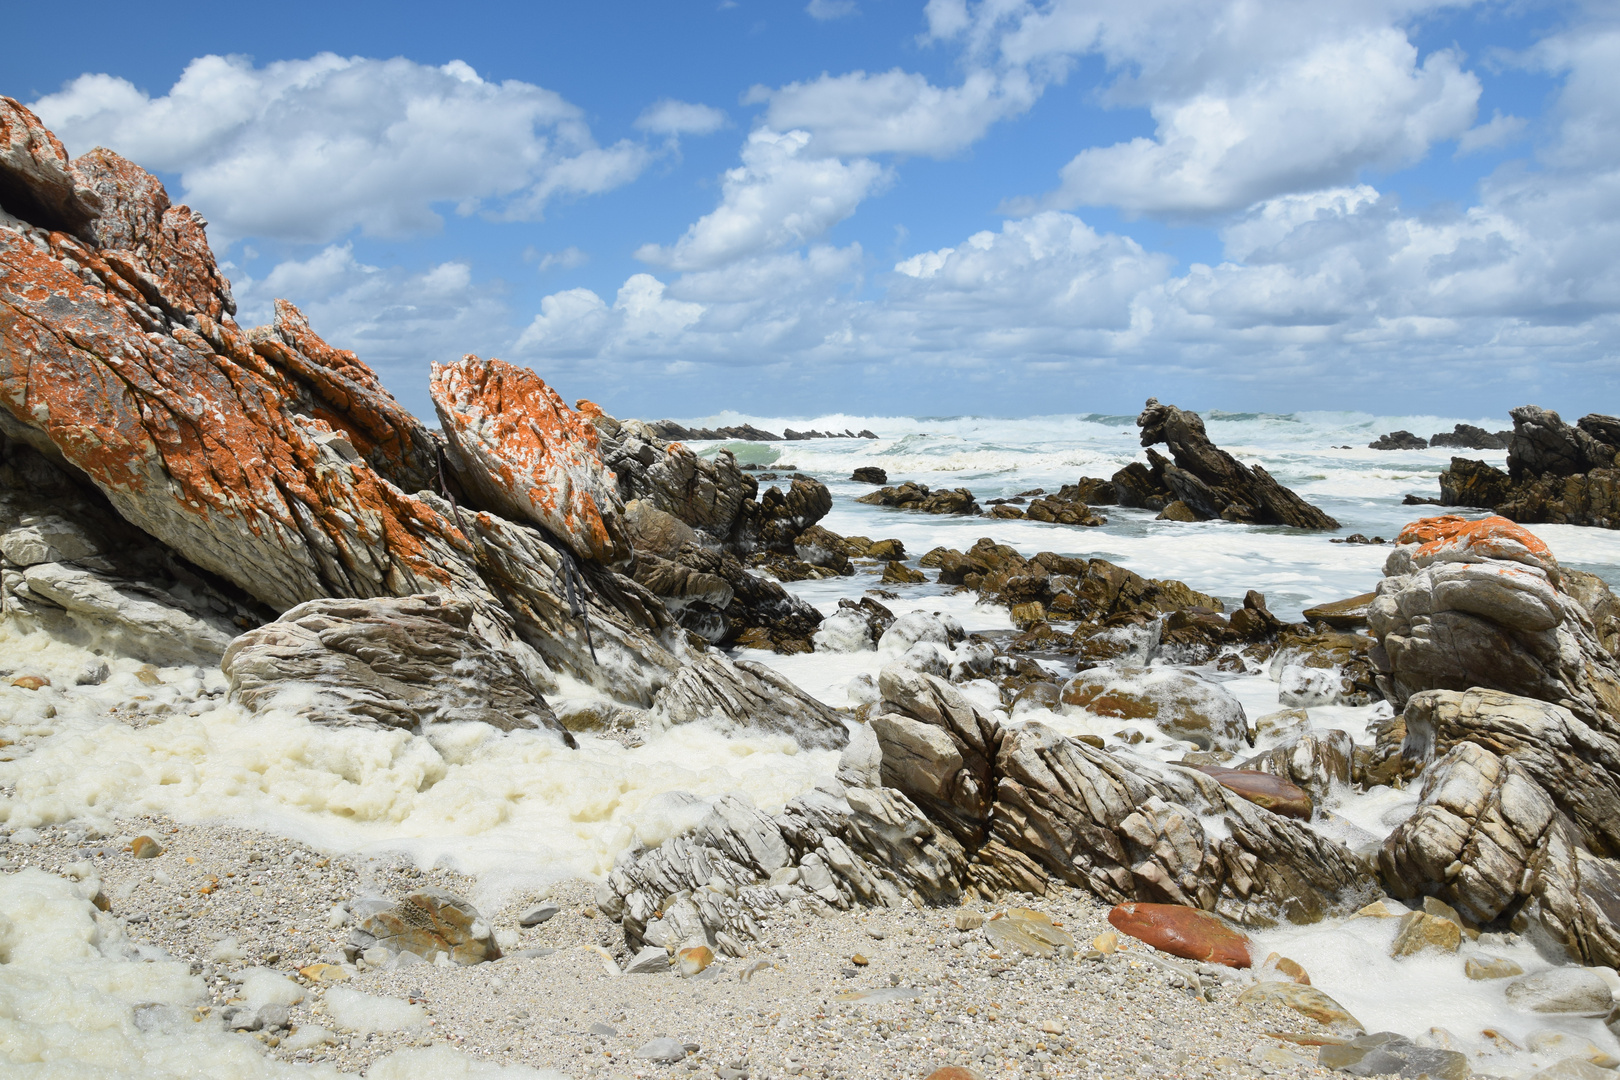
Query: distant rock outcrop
(1208, 482)
(1399, 440)
(1557, 473)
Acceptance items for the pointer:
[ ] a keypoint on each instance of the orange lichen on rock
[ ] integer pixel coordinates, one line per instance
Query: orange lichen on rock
(1452, 536)
(529, 456)
(1189, 933)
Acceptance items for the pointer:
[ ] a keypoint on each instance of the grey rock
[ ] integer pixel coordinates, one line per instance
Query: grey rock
(274, 1017)
(242, 1018)
(94, 673)
(1388, 1054)
(664, 1050)
(128, 618)
(649, 961)
(538, 914)
(1561, 990)
(402, 663)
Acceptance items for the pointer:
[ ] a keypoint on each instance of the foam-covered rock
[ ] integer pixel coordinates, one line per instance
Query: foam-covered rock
(1182, 705)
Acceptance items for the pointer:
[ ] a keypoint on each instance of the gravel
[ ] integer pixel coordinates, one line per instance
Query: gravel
(230, 899)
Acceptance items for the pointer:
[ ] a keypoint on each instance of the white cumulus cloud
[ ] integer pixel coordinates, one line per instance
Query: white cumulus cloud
(781, 195)
(671, 117)
(309, 150)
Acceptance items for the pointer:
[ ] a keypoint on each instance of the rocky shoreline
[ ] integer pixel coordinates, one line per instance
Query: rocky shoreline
(242, 521)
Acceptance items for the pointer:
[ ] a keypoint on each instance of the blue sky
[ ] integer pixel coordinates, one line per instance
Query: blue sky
(878, 207)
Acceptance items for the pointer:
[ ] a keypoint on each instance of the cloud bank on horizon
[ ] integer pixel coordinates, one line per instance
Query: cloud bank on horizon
(1243, 202)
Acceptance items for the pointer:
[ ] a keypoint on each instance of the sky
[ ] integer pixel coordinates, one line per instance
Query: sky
(876, 207)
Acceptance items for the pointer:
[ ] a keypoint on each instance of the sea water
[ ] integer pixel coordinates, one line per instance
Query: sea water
(517, 811)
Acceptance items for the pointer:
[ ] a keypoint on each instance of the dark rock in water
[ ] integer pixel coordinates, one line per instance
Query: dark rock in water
(1473, 483)
(1358, 538)
(1066, 507)
(1342, 614)
(1557, 473)
(670, 431)
(870, 474)
(403, 662)
(717, 598)
(1399, 440)
(1420, 500)
(1209, 481)
(1469, 437)
(914, 496)
(865, 434)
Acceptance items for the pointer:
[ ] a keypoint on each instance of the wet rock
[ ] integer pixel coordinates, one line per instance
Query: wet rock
(426, 922)
(1399, 440)
(1264, 790)
(1578, 991)
(743, 695)
(1185, 932)
(870, 474)
(1314, 761)
(898, 573)
(1066, 507)
(1184, 706)
(914, 496)
(1481, 968)
(1212, 483)
(1421, 932)
(1348, 614)
(400, 663)
(1577, 766)
(1557, 473)
(524, 454)
(1479, 604)
(1388, 1054)
(1304, 999)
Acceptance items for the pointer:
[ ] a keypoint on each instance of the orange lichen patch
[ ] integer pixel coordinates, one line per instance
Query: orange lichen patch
(525, 454)
(588, 409)
(1488, 538)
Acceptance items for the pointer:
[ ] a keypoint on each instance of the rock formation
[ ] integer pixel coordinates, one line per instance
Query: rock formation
(1557, 473)
(237, 474)
(1467, 604)
(1214, 484)
(1469, 437)
(1399, 440)
(914, 496)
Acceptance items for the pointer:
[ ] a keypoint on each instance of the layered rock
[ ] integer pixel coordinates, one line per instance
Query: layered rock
(527, 456)
(914, 496)
(1210, 482)
(1557, 473)
(1479, 604)
(748, 695)
(71, 568)
(281, 466)
(1469, 437)
(404, 662)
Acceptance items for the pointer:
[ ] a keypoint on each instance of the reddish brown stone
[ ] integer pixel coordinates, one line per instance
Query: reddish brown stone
(1189, 933)
(1263, 789)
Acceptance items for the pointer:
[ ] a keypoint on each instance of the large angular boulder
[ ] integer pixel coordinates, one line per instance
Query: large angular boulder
(1467, 604)
(745, 695)
(405, 662)
(528, 456)
(1208, 480)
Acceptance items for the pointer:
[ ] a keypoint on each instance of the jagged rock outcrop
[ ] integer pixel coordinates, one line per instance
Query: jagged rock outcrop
(670, 431)
(1399, 440)
(525, 455)
(914, 496)
(1557, 473)
(1469, 437)
(405, 662)
(751, 610)
(1208, 480)
(1467, 604)
(280, 465)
